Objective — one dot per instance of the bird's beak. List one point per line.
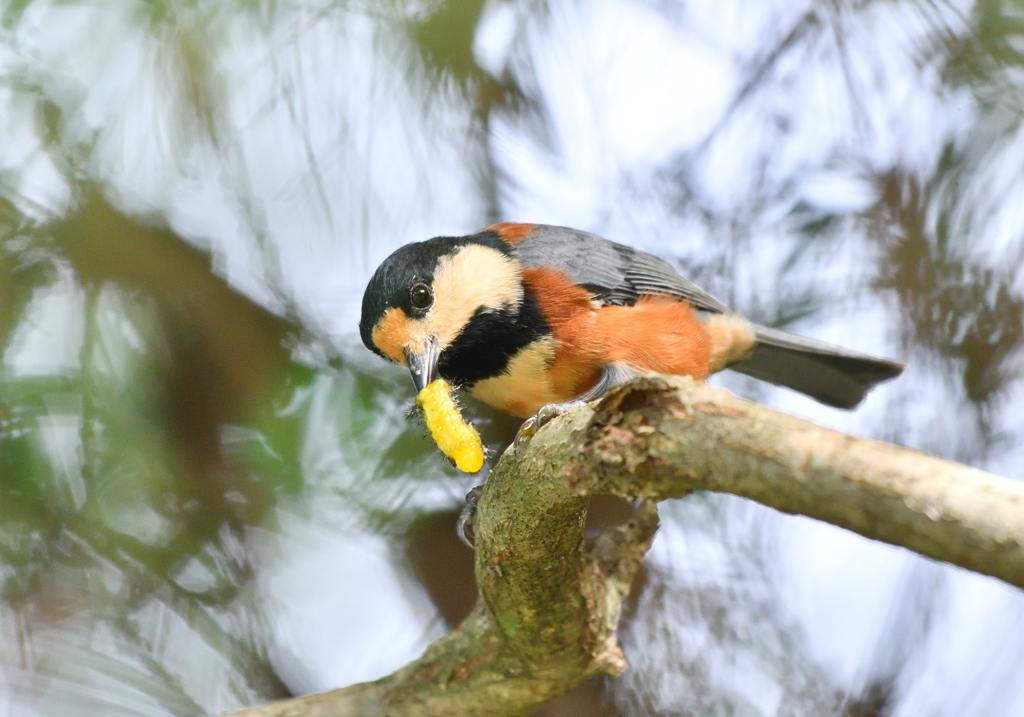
(423, 365)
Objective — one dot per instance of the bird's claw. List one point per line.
(464, 528)
(534, 423)
(527, 430)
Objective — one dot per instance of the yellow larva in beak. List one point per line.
(457, 439)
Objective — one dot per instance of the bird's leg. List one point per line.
(613, 374)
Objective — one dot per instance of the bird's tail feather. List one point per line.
(826, 373)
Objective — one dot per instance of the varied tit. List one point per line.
(527, 316)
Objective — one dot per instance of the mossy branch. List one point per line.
(550, 600)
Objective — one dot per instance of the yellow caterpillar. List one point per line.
(457, 439)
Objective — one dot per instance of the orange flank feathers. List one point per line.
(658, 334)
(572, 316)
(511, 233)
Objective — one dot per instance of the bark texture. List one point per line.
(550, 600)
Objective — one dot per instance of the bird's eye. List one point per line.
(421, 296)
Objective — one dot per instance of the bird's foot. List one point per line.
(464, 527)
(534, 423)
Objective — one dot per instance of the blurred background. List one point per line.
(210, 495)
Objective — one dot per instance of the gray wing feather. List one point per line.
(613, 273)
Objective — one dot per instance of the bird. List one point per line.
(532, 319)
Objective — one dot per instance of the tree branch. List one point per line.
(549, 600)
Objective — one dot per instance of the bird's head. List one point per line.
(438, 306)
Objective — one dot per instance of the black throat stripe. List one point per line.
(489, 341)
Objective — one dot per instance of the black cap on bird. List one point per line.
(453, 307)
